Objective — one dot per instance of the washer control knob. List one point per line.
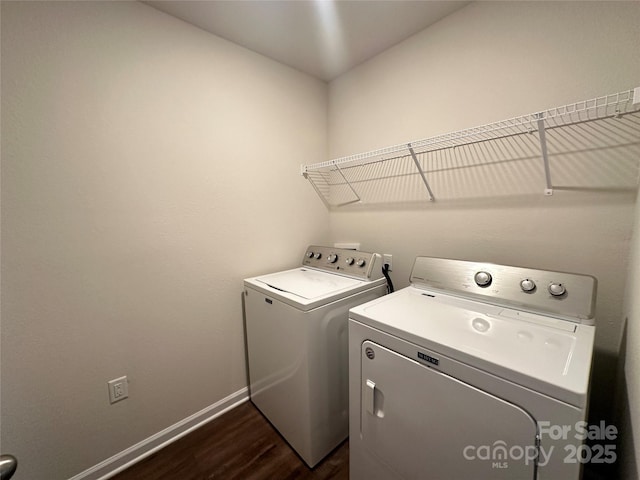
(317, 255)
(349, 261)
(361, 262)
(527, 285)
(483, 279)
(557, 289)
(332, 258)
(309, 254)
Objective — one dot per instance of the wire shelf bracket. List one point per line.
(420, 171)
(545, 155)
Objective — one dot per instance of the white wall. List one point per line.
(147, 168)
(489, 62)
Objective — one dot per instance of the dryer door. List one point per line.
(420, 423)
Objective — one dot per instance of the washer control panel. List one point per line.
(353, 263)
(566, 295)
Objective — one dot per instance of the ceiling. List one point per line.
(323, 38)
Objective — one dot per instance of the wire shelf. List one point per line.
(593, 142)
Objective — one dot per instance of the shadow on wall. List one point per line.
(246, 346)
(602, 409)
(610, 403)
(626, 466)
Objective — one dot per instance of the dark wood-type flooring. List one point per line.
(242, 445)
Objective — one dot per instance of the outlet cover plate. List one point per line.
(118, 389)
(347, 245)
(387, 259)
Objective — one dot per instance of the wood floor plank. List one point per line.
(239, 445)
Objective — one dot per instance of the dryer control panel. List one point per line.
(565, 295)
(353, 263)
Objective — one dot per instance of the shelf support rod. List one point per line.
(545, 155)
(350, 186)
(315, 187)
(420, 171)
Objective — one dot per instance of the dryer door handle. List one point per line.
(370, 397)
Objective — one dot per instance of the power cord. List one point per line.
(385, 272)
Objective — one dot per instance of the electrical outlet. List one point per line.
(348, 245)
(118, 389)
(387, 259)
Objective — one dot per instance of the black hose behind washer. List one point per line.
(385, 272)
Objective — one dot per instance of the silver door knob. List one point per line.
(8, 466)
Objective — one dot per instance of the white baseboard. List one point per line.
(120, 461)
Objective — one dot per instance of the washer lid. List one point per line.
(306, 288)
(308, 284)
(543, 353)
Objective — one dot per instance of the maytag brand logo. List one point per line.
(428, 358)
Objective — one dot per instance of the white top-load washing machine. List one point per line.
(475, 371)
(296, 324)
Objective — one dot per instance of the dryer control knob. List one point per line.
(309, 254)
(483, 279)
(527, 285)
(349, 261)
(557, 289)
(333, 258)
(361, 262)
(317, 255)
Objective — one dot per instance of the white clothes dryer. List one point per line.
(296, 325)
(475, 371)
